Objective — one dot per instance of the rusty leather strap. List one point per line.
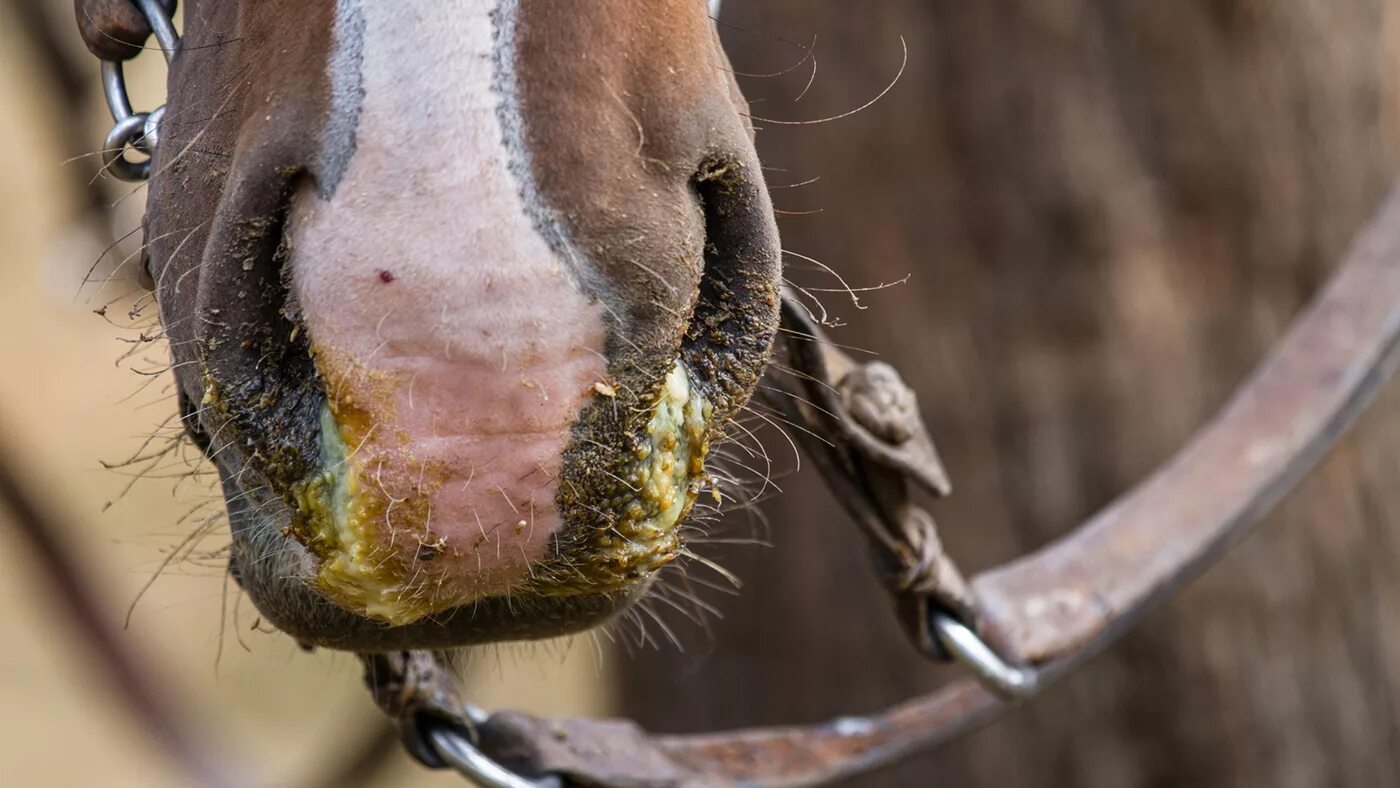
(1064, 603)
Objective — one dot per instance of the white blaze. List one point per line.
(436, 307)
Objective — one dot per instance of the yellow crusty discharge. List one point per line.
(659, 489)
(338, 519)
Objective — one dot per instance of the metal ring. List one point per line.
(114, 89)
(150, 130)
(139, 130)
(1007, 681)
(457, 751)
(128, 133)
(162, 26)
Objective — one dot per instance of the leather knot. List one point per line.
(881, 401)
(409, 686)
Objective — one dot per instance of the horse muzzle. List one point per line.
(461, 369)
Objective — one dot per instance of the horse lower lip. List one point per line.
(408, 517)
(388, 557)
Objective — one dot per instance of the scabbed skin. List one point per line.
(456, 309)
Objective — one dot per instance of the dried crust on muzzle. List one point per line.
(616, 163)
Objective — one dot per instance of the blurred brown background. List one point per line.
(1109, 209)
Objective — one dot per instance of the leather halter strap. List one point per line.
(1060, 605)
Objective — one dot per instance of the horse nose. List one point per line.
(505, 334)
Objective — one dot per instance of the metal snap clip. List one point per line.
(1007, 681)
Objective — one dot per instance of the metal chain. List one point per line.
(139, 131)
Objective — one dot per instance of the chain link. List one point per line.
(138, 131)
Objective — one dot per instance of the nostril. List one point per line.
(730, 335)
(258, 386)
(633, 472)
